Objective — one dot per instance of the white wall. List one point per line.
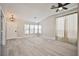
(15, 28)
(20, 28)
(11, 29)
(48, 27)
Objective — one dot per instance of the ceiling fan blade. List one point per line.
(57, 10)
(65, 8)
(66, 4)
(60, 5)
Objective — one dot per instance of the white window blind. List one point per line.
(71, 21)
(67, 26)
(60, 27)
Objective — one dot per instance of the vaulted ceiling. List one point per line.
(32, 12)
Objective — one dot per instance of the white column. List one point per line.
(0, 32)
(78, 30)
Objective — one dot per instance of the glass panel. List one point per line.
(40, 29)
(31, 29)
(36, 28)
(26, 28)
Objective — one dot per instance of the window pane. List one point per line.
(31, 29)
(36, 28)
(26, 28)
(40, 31)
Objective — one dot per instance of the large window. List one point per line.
(32, 29)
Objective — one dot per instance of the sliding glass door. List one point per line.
(66, 28)
(71, 27)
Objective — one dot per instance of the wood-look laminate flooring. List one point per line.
(35, 46)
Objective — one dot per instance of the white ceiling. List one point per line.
(30, 11)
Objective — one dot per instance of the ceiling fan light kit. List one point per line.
(60, 8)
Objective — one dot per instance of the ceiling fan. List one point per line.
(60, 6)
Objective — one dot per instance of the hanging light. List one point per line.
(12, 18)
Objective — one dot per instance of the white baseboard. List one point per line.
(14, 38)
(45, 37)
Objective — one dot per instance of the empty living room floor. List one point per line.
(36, 46)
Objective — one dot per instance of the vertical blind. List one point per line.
(60, 27)
(68, 23)
(71, 25)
